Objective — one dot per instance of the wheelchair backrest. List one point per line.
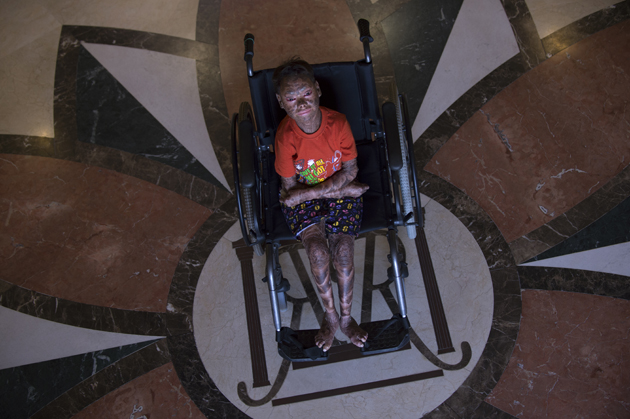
(348, 88)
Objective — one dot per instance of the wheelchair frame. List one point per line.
(255, 180)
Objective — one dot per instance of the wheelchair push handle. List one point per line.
(249, 53)
(364, 30)
(364, 36)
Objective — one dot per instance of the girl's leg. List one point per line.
(316, 245)
(342, 249)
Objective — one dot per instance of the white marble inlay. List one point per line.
(27, 339)
(481, 40)
(466, 289)
(551, 15)
(613, 259)
(166, 85)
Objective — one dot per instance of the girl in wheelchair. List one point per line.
(316, 158)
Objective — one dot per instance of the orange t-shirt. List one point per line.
(314, 157)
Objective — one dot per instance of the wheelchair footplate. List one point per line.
(383, 336)
(299, 345)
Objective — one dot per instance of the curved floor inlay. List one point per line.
(574, 280)
(117, 237)
(465, 286)
(27, 389)
(110, 379)
(106, 319)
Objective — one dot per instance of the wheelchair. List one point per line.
(386, 164)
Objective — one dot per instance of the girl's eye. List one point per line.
(307, 93)
(290, 99)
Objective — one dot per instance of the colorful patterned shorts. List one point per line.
(343, 216)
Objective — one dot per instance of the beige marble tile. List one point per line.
(167, 17)
(22, 22)
(466, 289)
(27, 78)
(551, 15)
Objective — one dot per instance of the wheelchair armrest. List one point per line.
(390, 122)
(246, 144)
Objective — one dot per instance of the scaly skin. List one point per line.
(342, 249)
(299, 97)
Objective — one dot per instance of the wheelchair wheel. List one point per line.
(405, 187)
(250, 195)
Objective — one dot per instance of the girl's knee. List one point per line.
(318, 254)
(343, 256)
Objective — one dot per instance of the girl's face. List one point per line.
(299, 97)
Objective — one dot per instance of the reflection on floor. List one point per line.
(121, 289)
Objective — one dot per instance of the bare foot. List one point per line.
(324, 338)
(350, 328)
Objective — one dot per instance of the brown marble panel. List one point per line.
(570, 358)
(550, 139)
(89, 234)
(156, 395)
(322, 31)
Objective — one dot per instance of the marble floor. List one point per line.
(122, 273)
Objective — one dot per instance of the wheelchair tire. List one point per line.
(249, 214)
(405, 188)
(250, 194)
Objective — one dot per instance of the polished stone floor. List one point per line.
(123, 286)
